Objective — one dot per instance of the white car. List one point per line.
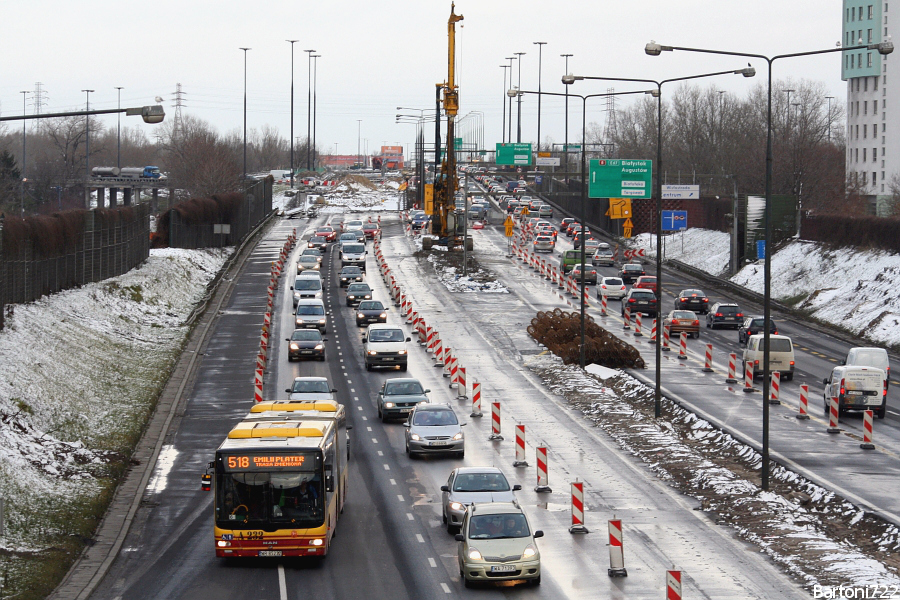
(611, 287)
(497, 543)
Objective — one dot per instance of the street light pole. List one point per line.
(509, 126)
(315, 66)
(119, 130)
(358, 155)
(503, 119)
(24, 155)
(829, 98)
(540, 46)
(519, 102)
(308, 105)
(243, 181)
(566, 134)
(292, 42)
(87, 149)
(654, 49)
(569, 79)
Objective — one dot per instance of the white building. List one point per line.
(872, 158)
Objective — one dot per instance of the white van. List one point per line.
(781, 355)
(354, 254)
(306, 288)
(856, 388)
(385, 346)
(310, 314)
(870, 357)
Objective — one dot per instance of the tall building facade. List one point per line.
(873, 156)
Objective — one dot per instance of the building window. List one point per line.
(856, 155)
(874, 154)
(874, 179)
(857, 108)
(875, 82)
(859, 54)
(857, 131)
(869, 11)
(865, 84)
(869, 59)
(865, 135)
(853, 14)
(865, 178)
(864, 154)
(874, 107)
(852, 61)
(869, 35)
(865, 107)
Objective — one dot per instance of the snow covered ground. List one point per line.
(853, 289)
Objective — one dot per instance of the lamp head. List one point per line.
(885, 47)
(570, 79)
(747, 72)
(654, 49)
(512, 93)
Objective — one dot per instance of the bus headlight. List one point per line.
(223, 544)
(316, 542)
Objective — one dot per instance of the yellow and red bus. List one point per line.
(281, 482)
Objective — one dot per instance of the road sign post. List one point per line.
(620, 178)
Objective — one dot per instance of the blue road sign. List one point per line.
(538, 180)
(760, 249)
(674, 220)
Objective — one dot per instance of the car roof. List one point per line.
(495, 508)
(383, 326)
(478, 470)
(434, 407)
(310, 302)
(310, 379)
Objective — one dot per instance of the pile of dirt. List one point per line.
(560, 332)
(357, 181)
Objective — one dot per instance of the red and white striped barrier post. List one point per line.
(665, 341)
(424, 329)
(732, 368)
(260, 361)
(476, 399)
(257, 392)
(411, 315)
(438, 353)
(834, 413)
(257, 377)
(748, 376)
(682, 346)
(673, 585)
(432, 341)
(454, 368)
(542, 480)
(804, 403)
(587, 295)
(495, 423)
(462, 388)
(707, 364)
(775, 386)
(616, 550)
(603, 305)
(637, 325)
(653, 327)
(562, 280)
(448, 356)
(626, 322)
(868, 422)
(520, 447)
(578, 508)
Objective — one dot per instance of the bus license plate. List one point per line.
(270, 552)
(503, 568)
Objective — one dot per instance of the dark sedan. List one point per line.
(350, 274)
(692, 299)
(306, 343)
(357, 292)
(638, 300)
(752, 326)
(630, 272)
(370, 311)
(319, 242)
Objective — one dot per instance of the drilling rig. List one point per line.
(444, 218)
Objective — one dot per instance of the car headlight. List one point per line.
(360, 316)
(402, 352)
(320, 346)
(389, 405)
(530, 550)
(372, 353)
(456, 506)
(343, 279)
(296, 294)
(424, 402)
(382, 316)
(415, 437)
(294, 346)
(321, 321)
(458, 436)
(474, 554)
(299, 322)
(368, 296)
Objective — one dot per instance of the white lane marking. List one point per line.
(420, 539)
(368, 429)
(359, 407)
(282, 585)
(345, 368)
(432, 562)
(342, 360)
(387, 467)
(410, 516)
(894, 413)
(374, 441)
(356, 398)
(365, 418)
(380, 453)
(446, 588)
(393, 482)
(352, 391)
(399, 497)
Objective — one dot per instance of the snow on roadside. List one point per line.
(81, 372)
(850, 288)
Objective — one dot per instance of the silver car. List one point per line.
(310, 389)
(473, 484)
(434, 429)
(543, 243)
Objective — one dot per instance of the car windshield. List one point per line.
(435, 418)
(356, 288)
(311, 252)
(498, 527)
(480, 482)
(403, 388)
(354, 248)
(632, 268)
(643, 295)
(306, 335)
(613, 281)
(348, 236)
(324, 230)
(683, 314)
(310, 387)
(386, 335)
(371, 305)
(310, 309)
(308, 259)
(308, 284)
(351, 271)
(728, 310)
(757, 323)
(370, 226)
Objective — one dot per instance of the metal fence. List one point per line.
(109, 243)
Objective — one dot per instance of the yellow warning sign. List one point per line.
(429, 198)
(626, 228)
(619, 208)
(509, 224)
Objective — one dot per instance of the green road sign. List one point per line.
(572, 148)
(513, 154)
(620, 178)
(458, 143)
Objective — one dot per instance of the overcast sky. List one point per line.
(376, 56)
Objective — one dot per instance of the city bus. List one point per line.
(280, 483)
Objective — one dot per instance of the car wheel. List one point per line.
(881, 412)
(536, 581)
(696, 335)
(368, 367)
(290, 358)
(444, 516)
(451, 528)
(407, 450)
(402, 367)
(461, 455)
(466, 581)
(788, 376)
(380, 414)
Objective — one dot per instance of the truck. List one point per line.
(148, 172)
(856, 388)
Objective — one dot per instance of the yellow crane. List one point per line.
(443, 223)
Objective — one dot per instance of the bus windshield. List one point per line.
(269, 500)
